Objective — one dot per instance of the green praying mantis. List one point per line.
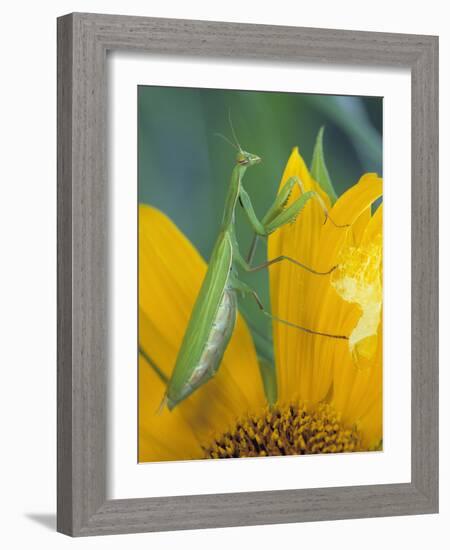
(214, 314)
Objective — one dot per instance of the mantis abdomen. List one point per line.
(218, 338)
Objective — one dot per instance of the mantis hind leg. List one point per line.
(251, 254)
(245, 289)
(246, 264)
(278, 259)
(294, 325)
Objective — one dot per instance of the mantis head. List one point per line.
(243, 158)
(247, 159)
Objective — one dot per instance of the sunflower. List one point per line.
(329, 390)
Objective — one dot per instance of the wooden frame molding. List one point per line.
(83, 41)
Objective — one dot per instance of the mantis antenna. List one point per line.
(232, 130)
(227, 140)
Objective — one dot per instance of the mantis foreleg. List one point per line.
(282, 216)
(275, 209)
(289, 214)
(278, 214)
(280, 201)
(321, 202)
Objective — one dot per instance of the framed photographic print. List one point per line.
(247, 274)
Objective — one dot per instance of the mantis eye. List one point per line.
(241, 159)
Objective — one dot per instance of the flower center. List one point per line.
(287, 430)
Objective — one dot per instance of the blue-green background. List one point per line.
(184, 168)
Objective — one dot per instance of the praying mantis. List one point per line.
(214, 313)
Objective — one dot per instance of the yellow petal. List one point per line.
(358, 280)
(170, 274)
(170, 437)
(355, 200)
(371, 426)
(288, 285)
(358, 394)
(305, 362)
(359, 226)
(358, 384)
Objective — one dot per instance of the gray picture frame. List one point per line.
(83, 42)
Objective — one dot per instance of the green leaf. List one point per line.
(264, 351)
(154, 366)
(269, 377)
(319, 169)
